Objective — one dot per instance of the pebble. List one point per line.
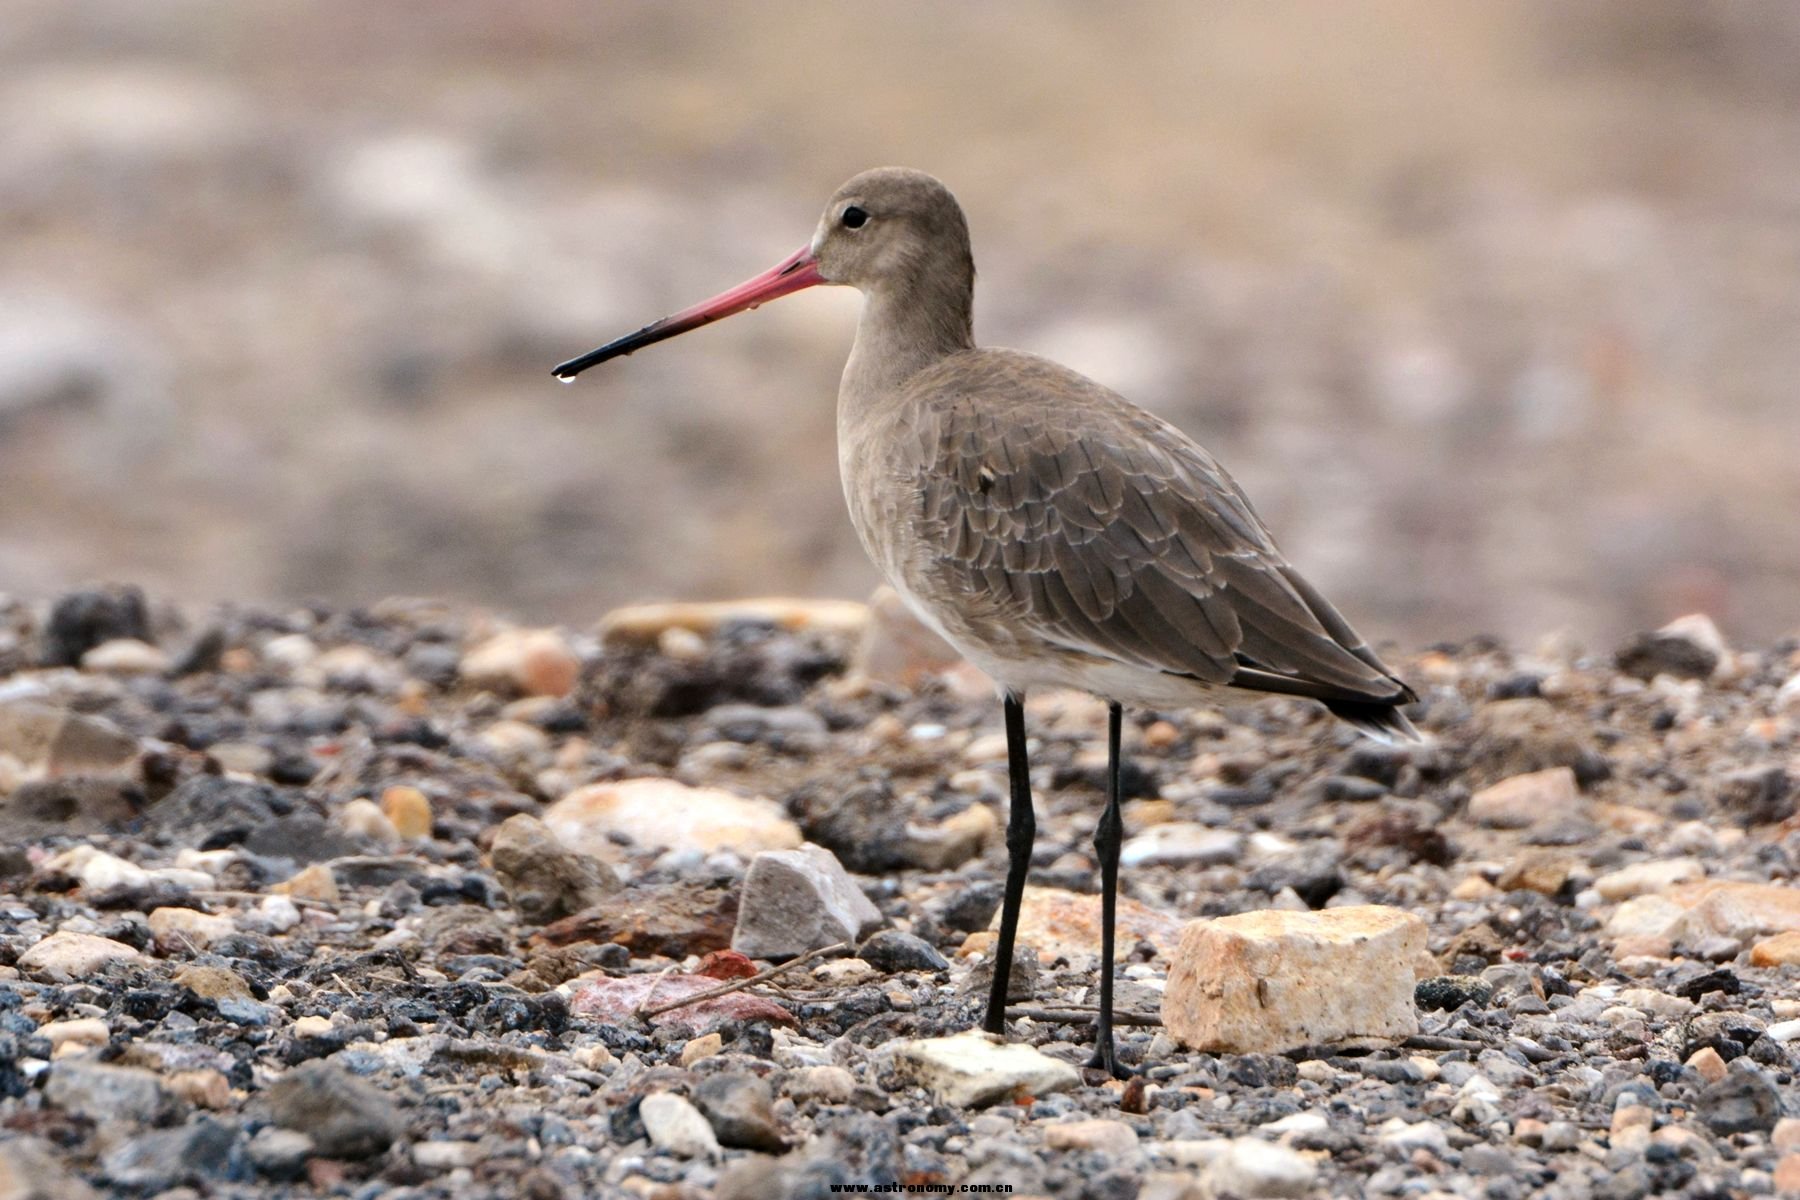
(447, 1155)
(544, 879)
(971, 1070)
(678, 1127)
(1271, 981)
(346, 1117)
(826, 1084)
(1182, 844)
(409, 811)
(1745, 1101)
(741, 1110)
(29, 1170)
(1115, 1139)
(76, 1033)
(310, 883)
(179, 930)
(1707, 1063)
(1523, 800)
(644, 623)
(103, 1092)
(1648, 878)
(125, 656)
(799, 900)
(1064, 924)
(1251, 1168)
(1782, 950)
(891, 950)
(529, 662)
(66, 957)
(280, 1153)
(660, 814)
(1689, 647)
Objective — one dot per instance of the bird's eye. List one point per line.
(855, 218)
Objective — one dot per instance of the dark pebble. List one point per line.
(891, 950)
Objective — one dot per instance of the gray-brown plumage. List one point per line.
(1054, 533)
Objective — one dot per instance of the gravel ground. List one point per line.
(402, 902)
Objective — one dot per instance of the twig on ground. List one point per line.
(735, 985)
(1078, 1016)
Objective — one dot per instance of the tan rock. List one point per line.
(205, 1088)
(1740, 909)
(1542, 871)
(1113, 1138)
(1707, 1062)
(78, 1031)
(409, 810)
(1059, 924)
(363, 818)
(1645, 916)
(660, 813)
(48, 743)
(66, 957)
(313, 883)
(1626, 818)
(1786, 1134)
(1782, 950)
(531, 662)
(125, 656)
(953, 841)
(1524, 800)
(177, 929)
(971, 1070)
(643, 624)
(212, 983)
(1647, 878)
(897, 647)
(1787, 1175)
(1271, 981)
(701, 1047)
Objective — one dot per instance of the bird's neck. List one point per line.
(907, 326)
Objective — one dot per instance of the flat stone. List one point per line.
(662, 814)
(203, 1149)
(891, 950)
(529, 662)
(409, 810)
(1251, 1168)
(971, 1070)
(740, 1109)
(31, 1170)
(49, 743)
(1708, 1064)
(103, 1092)
(1182, 844)
(1689, 647)
(1523, 800)
(1064, 924)
(825, 1084)
(676, 1126)
(1113, 1138)
(799, 900)
(125, 656)
(1648, 878)
(644, 624)
(1270, 981)
(280, 1153)
(66, 957)
(546, 880)
(346, 1117)
(178, 929)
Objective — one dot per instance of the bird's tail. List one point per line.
(1383, 722)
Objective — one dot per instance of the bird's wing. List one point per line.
(1103, 529)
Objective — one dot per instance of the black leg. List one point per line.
(1107, 836)
(1021, 829)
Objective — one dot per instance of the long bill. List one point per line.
(799, 270)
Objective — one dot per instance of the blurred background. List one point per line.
(1494, 309)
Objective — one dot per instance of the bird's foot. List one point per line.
(1106, 1058)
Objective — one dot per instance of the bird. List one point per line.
(1054, 533)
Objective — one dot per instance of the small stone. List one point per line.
(891, 951)
(409, 810)
(1271, 981)
(30, 1170)
(1115, 1139)
(740, 1109)
(530, 662)
(844, 972)
(1561, 1135)
(951, 842)
(49, 743)
(1689, 647)
(1183, 844)
(970, 1070)
(76, 1033)
(660, 814)
(1787, 1175)
(701, 1047)
(1647, 878)
(799, 900)
(184, 930)
(311, 883)
(1745, 1101)
(200, 1150)
(280, 1153)
(79, 621)
(125, 656)
(1645, 916)
(312, 1026)
(1064, 924)
(447, 1155)
(346, 1117)
(1524, 800)
(1786, 1134)
(1630, 1116)
(212, 983)
(643, 624)
(1782, 950)
(1474, 887)
(825, 1084)
(67, 957)
(1544, 871)
(362, 818)
(203, 1089)
(102, 1092)
(544, 879)
(1252, 1168)
(676, 1126)
(897, 647)
(1447, 993)
(1708, 1064)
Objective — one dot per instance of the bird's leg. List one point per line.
(1107, 836)
(1021, 829)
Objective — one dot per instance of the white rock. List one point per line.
(1644, 916)
(66, 957)
(125, 656)
(971, 1070)
(1183, 844)
(1399, 1135)
(1648, 878)
(1251, 1168)
(447, 1156)
(1269, 981)
(531, 662)
(186, 927)
(799, 900)
(1783, 1031)
(662, 814)
(677, 1126)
